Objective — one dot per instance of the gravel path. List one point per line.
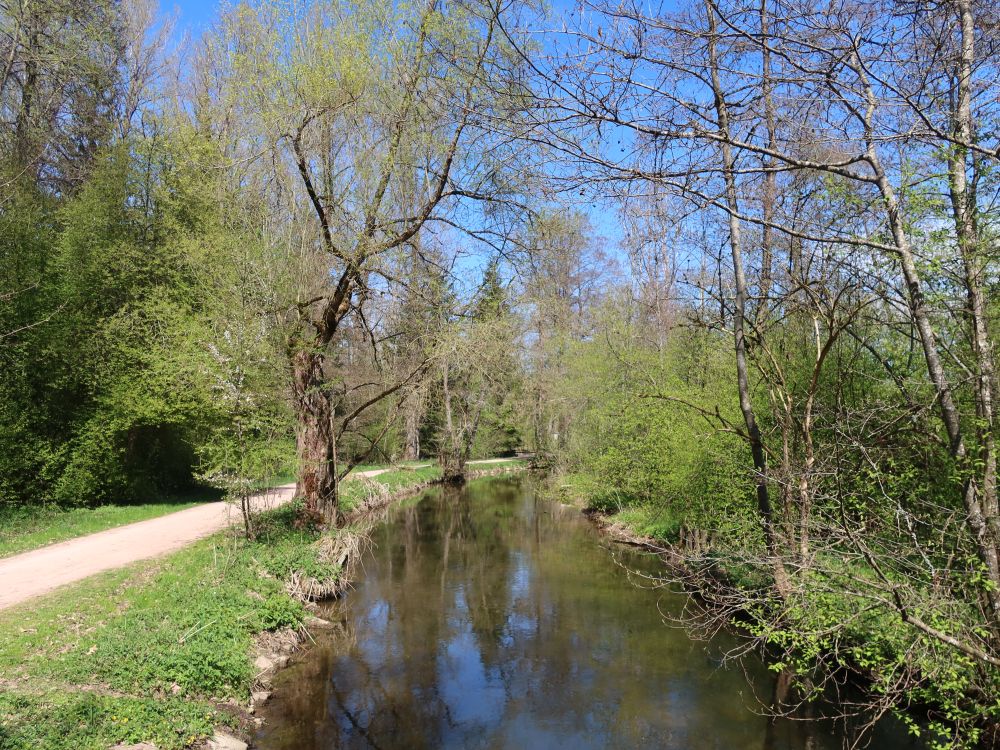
(39, 571)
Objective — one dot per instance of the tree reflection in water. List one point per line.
(488, 619)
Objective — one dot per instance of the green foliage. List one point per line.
(110, 411)
(91, 721)
(113, 382)
(652, 521)
(653, 443)
(476, 390)
(656, 453)
(499, 432)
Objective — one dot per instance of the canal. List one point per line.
(488, 618)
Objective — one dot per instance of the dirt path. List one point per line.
(39, 571)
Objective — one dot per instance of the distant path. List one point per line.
(40, 571)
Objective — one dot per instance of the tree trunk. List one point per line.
(411, 427)
(453, 456)
(781, 582)
(970, 248)
(453, 466)
(317, 480)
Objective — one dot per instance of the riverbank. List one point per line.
(164, 651)
(868, 656)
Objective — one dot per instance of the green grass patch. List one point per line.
(482, 465)
(579, 489)
(139, 654)
(577, 486)
(354, 492)
(90, 721)
(651, 521)
(641, 517)
(30, 527)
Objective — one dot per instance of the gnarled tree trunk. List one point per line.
(317, 480)
(453, 455)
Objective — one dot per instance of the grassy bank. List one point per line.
(871, 649)
(152, 652)
(588, 492)
(357, 492)
(162, 651)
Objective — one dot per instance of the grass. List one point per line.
(651, 521)
(150, 653)
(479, 464)
(147, 653)
(90, 720)
(27, 528)
(353, 493)
(399, 465)
(642, 518)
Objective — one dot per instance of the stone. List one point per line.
(263, 663)
(280, 662)
(260, 697)
(222, 741)
(318, 623)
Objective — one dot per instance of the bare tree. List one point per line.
(819, 140)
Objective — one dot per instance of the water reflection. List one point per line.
(487, 619)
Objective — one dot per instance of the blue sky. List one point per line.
(193, 17)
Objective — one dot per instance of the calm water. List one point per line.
(488, 619)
